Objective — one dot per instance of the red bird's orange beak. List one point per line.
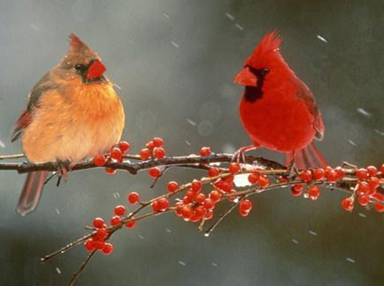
(95, 70)
(245, 78)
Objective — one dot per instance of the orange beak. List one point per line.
(245, 78)
(95, 70)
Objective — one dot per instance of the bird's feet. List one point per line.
(63, 167)
(239, 155)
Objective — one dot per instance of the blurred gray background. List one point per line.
(175, 61)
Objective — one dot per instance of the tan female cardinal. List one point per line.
(73, 113)
(278, 110)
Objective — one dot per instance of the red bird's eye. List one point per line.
(95, 70)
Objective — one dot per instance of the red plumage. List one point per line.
(278, 110)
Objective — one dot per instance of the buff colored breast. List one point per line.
(74, 122)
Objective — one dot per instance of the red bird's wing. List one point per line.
(306, 95)
(26, 117)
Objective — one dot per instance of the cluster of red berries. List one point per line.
(116, 154)
(153, 149)
(366, 192)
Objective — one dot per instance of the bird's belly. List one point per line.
(73, 131)
(283, 125)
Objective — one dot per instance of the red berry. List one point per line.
(100, 234)
(159, 205)
(124, 146)
(164, 203)
(98, 222)
(253, 178)
(107, 249)
(150, 145)
(314, 192)
(200, 198)
(116, 154)
(133, 197)
(330, 174)
(318, 173)
(205, 151)
(196, 185)
(200, 211)
(115, 220)
(372, 170)
(89, 244)
(187, 212)
(157, 141)
(263, 181)
(213, 171)
(110, 171)
(306, 175)
(382, 168)
(379, 207)
(378, 197)
(215, 196)
(208, 215)
(362, 188)
(244, 213)
(234, 167)
(362, 173)
(119, 210)
(347, 204)
(145, 154)
(172, 186)
(363, 200)
(99, 245)
(373, 184)
(297, 190)
(245, 205)
(209, 203)
(159, 152)
(130, 223)
(154, 172)
(99, 160)
(339, 172)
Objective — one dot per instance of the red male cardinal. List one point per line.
(73, 113)
(277, 110)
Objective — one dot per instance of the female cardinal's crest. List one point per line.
(76, 45)
(267, 49)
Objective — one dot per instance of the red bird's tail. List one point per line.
(31, 193)
(309, 157)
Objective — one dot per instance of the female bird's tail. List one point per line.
(31, 193)
(309, 157)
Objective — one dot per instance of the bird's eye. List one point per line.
(80, 67)
(264, 71)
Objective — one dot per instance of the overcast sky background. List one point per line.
(175, 61)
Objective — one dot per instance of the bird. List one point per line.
(73, 113)
(278, 110)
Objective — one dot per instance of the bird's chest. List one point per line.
(277, 119)
(74, 124)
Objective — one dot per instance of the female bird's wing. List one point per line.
(25, 118)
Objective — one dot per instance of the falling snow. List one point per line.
(166, 15)
(140, 236)
(295, 241)
(362, 215)
(116, 195)
(58, 270)
(214, 264)
(57, 211)
(168, 230)
(238, 26)
(190, 121)
(2, 145)
(351, 142)
(187, 142)
(230, 16)
(182, 263)
(321, 38)
(313, 233)
(363, 112)
(381, 133)
(174, 44)
(350, 260)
